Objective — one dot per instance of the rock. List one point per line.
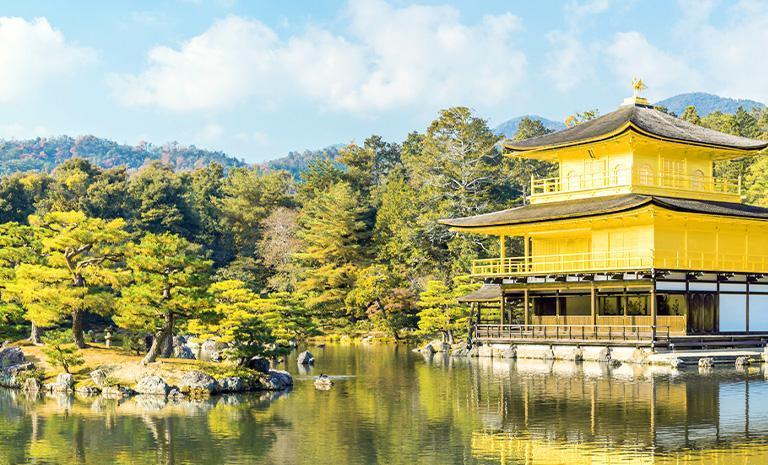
(88, 390)
(306, 358)
(10, 356)
(32, 385)
(117, 391)
(427, 350)
(184, 352)
(278, 380)
(100, 378)
(211, 350)
(259, 364)
(195, 348)
(613, 363)
(65, 382)
(706, 362)
(323, 383)
(676, 363)
(175, 394)
(179, 341)
(198, 382)
(742, 362)
(474, 352)
(154, 385)
(460, 350)
(231, 384)
(441, 346)
(509, 352)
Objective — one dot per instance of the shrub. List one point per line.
(60, 349)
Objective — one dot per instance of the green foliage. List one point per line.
(60, 350)
(691, 115)
(236, 319)
(582, 117)
(440, 312)
(530, 128)
(331, 234)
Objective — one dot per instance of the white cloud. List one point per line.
(210, 132)
(20, 131)
(631, 55)
(730, 51)
(390, 57)
(33, 53)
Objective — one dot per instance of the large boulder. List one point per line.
(154, 385)
(259, 364)
(32, 384)
(183, 351)
(211, 351)
(10, 356)
(100, 378)
(231, 384)
(306, 358)
(278, 380)
(198, 382)
(65, 382)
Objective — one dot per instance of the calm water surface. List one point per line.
(392, 406)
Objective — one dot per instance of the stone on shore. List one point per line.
(32, 385)
(706, 362)
(742, 362)
(183, 352)
(154, 385)
(198, 382)
(306, 358)
(65, 382)
(231, 384)
(259, 364)
(10, 356)
(100, 378)
(211, 351)
(278, 380)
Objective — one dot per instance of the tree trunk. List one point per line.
(167, 351)
(450, 336)
(158, 342)
(35, 334)
(77, 329)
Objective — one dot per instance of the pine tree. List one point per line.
(18, 245)
(59, 350)
(236, 319)
(691, 115)
(440, 310)
(169, 281)
(78, 272)
(331, 234)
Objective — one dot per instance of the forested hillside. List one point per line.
(44, 154)
(707, 103)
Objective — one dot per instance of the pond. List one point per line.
(393, 406)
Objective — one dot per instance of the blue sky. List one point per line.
(259, 78)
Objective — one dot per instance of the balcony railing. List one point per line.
(628, 177)
(631, 259)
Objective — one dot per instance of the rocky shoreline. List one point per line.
(16, 372)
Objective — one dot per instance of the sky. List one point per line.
(257, 79)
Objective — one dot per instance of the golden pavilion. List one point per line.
(635, 240)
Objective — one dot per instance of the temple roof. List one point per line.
(568, 209)
(642, 118)
(487, 293)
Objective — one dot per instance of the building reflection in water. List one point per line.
(571, 413)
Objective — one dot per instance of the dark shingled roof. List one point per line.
(646, 119)
(551, 211)
(487, 293)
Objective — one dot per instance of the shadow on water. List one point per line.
(389, 405)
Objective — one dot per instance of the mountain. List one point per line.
(509, 128)
(297, 162)
(44, 154)
(707, 103)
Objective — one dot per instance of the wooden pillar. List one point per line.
(593, 304)
(557, 306)
(501, 308)
(502, 246)
(526, 252)
(653, 302)
(526, 317)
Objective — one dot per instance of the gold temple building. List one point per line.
(635, 240)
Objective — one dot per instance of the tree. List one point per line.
(440, 312)
(331, 234)
(236, 320)
(287, 315)
(79, 268)
(278, 246)
(582, 117)
(169, 281)
(528, 128)
(390, 308)
(59, 350)
(18, 245)
(248, 198)
(691, 115)
(160, 202)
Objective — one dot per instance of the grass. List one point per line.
(124, 367)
